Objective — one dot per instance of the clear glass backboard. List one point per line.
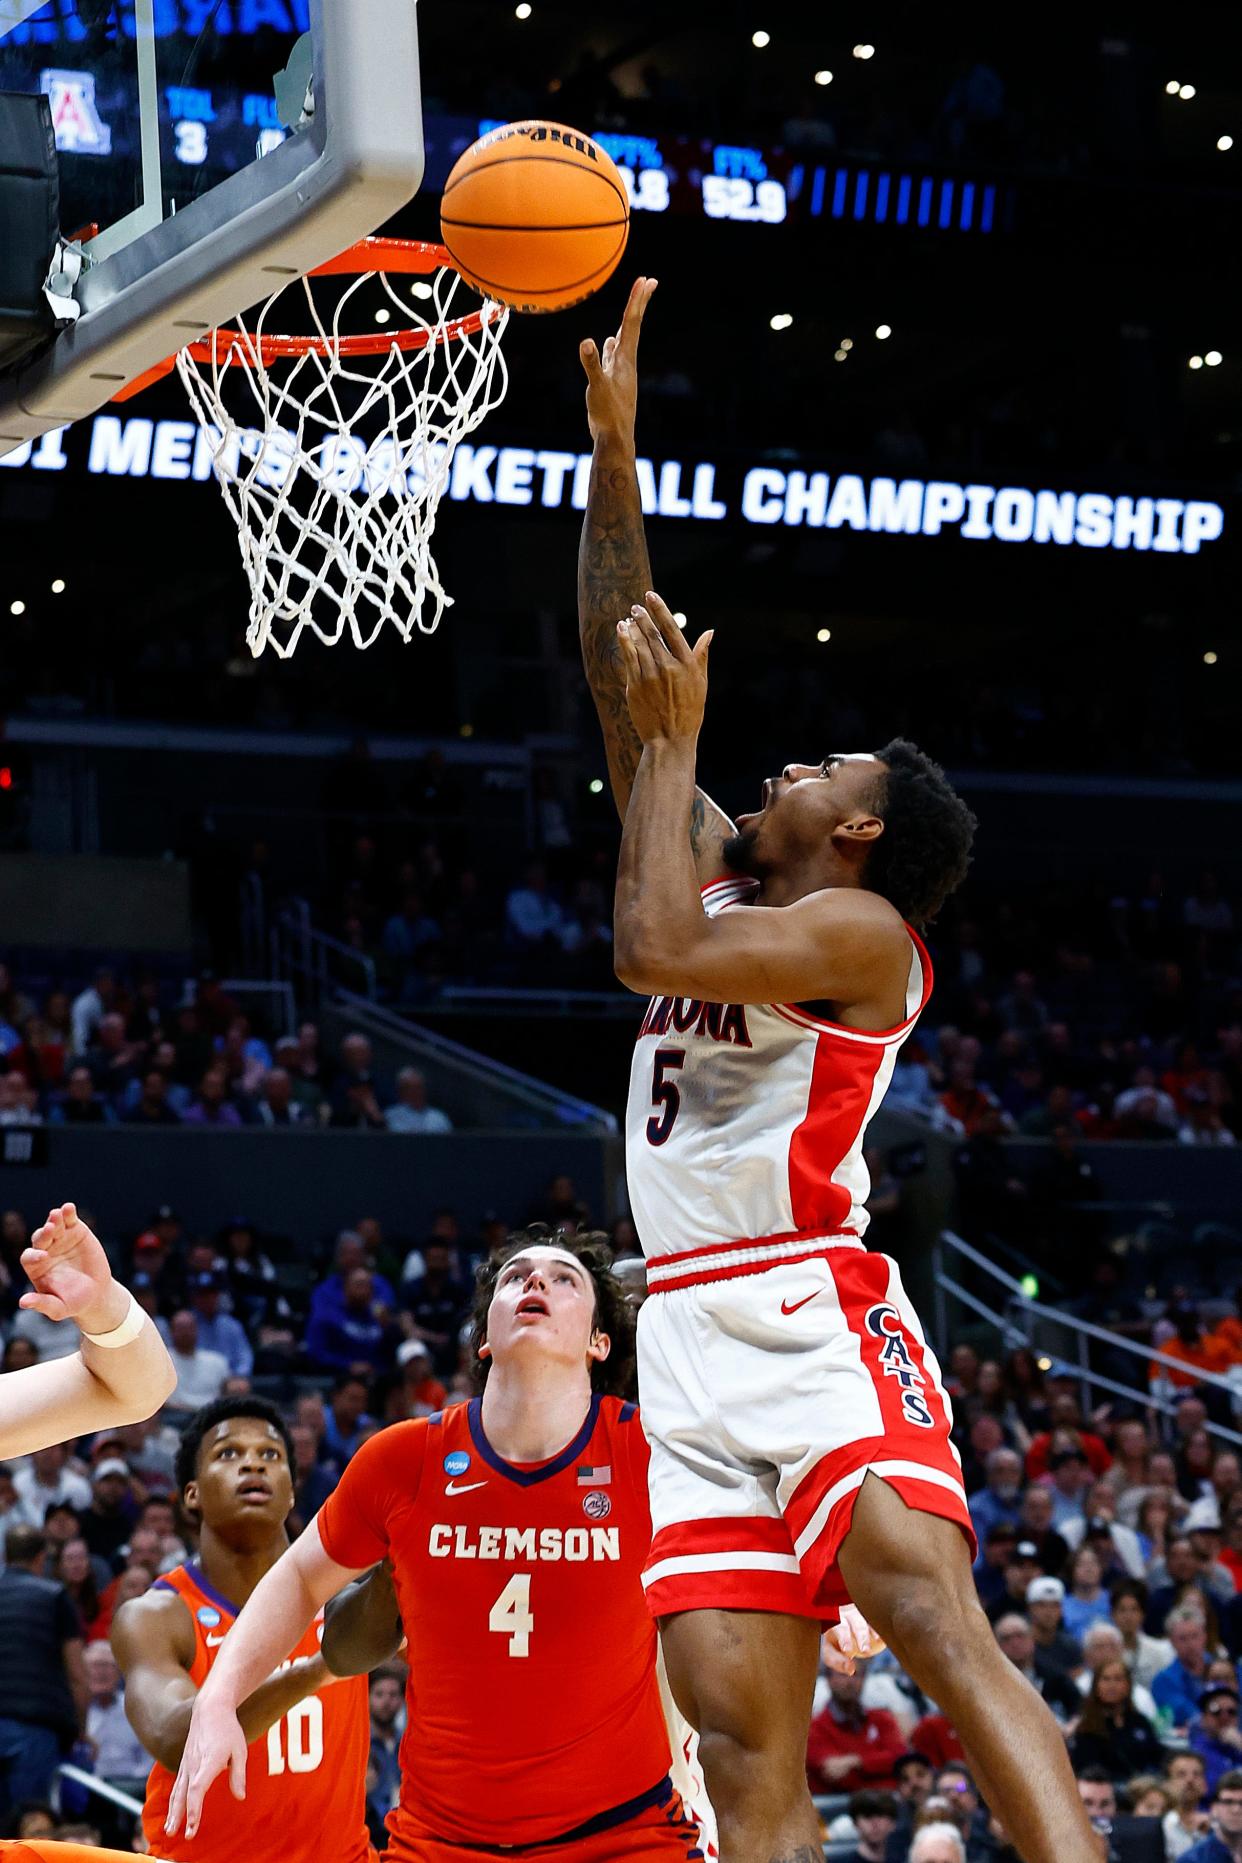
(207, 148)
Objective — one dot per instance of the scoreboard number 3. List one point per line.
(511, 1614)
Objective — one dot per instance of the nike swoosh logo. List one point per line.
(212, 1641)
(464, 1487)
(786, 1308)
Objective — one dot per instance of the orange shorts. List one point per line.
(659, 1834)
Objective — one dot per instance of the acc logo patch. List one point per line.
(206, 1615)
(457, 1463)
(596, 1505)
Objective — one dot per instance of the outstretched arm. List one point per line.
(274, 1620)
(154, 1648)
(101, 1387)
(614, 571)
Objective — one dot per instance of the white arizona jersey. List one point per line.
(746, 1122)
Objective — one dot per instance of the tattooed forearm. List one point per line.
(698, 822)
(614, 572)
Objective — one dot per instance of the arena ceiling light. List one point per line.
(1186, 92)
(823, 77)
(595, 786)
(381, 315)
(679, 618)
(17, 608)
(1213, 358)
(781, 321)
(884, 331)
(1224, 142)
(1196, 362)
(1172, 87)
(523, 11)
(864, 51)
(760, 39)
(841, 355)
(420, 289)
(824, 635)
(58, 587)
(847, 342)
(1209, 658)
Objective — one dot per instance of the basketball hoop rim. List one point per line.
(408, 257)
(228, 348)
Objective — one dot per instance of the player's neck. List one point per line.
(531, 1416)
(801, 878)
(235, 1572)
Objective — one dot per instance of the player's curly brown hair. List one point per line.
(924, 852)
(614, 1315)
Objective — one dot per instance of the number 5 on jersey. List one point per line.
(511, 1614)
(665, 1094)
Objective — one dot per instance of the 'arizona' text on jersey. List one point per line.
(746, 1122)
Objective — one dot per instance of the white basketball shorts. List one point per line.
(768, 1393)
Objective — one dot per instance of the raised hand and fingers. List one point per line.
(625, 342)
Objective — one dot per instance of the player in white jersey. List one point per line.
(801, 1453)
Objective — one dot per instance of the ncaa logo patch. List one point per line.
(207, 1616)
(457, 1463)
(596, 1505)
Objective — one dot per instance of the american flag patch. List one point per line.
(595, 1477)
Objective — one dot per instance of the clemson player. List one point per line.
(308, 1733)
(517, 1527)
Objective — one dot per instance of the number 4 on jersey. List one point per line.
(511, 1614)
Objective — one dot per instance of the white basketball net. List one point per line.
(334, 466)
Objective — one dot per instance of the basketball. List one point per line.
(535, 215)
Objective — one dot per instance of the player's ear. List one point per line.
(189, 1497)
(600, 1346)
(485, 1351)
(859, 830)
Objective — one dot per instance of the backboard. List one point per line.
(218, 146)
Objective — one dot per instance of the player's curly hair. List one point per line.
(924, 852)
(223, 1410)
(614, 1315)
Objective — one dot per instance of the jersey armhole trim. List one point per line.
(794, 1012)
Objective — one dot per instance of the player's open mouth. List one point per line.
(254, 1491)
(533, 1303)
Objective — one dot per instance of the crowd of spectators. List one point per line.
(1109, 1545)
(1103, 1015)
(143, 1055)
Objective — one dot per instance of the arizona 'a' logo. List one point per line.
(883, 1322)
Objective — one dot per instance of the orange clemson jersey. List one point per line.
(533, 1702)
(305, 1778)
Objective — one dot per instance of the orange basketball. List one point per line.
(535, 215)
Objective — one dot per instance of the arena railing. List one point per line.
(310, 958)
(102, 1788)
(504, 1096)
(1022, 1319)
